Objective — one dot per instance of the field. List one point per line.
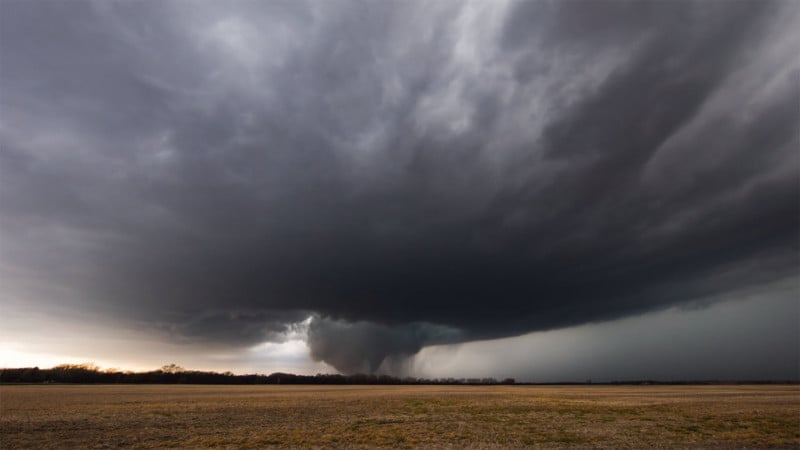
(105, 416)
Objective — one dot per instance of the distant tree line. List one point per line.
(173, 374)
(88, 373)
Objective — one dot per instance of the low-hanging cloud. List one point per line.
(365, 346)
(407, 173)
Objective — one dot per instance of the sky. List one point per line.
(545, 190)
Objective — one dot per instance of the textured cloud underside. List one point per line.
(408, 173)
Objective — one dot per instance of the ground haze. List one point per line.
(398, 416)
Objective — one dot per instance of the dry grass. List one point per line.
(399, 416)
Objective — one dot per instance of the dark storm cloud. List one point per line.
(407, 173)
(233, 327)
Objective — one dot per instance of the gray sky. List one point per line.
(337, 185)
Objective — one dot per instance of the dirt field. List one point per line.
(398, 416)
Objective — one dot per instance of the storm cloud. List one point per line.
(406, 173)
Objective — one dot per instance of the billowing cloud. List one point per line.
(407, 173)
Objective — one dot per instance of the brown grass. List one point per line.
(398, 416)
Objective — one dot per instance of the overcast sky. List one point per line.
(551, 190)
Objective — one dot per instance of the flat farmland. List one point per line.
(191, 416)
